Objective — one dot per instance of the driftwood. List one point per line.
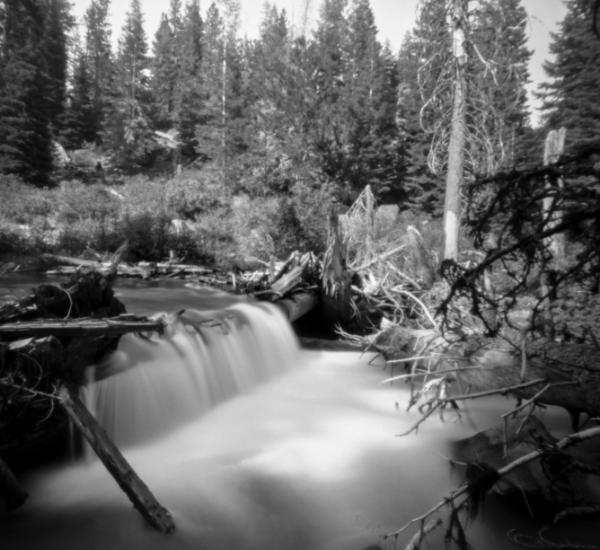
(137, 491)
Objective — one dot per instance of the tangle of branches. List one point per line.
(509, 207)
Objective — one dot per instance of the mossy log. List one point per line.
(135, 489)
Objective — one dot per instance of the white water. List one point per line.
(205, 358)
(309, 460)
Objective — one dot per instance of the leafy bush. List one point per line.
(22, 203)
(196, 192)
(77, 201)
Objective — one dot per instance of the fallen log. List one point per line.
(137, 491)
(115, 326)
(298, 305)
(144, 270)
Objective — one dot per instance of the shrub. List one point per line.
(196, 192)
(22, 203)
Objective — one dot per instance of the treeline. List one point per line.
(336, 106)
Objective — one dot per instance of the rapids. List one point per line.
(251, 444)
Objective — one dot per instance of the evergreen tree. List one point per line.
(496, 75)
(499, 105)
(78, 124)
(33, 66)
(127, 128)
(100, 61)
(571, 96)
(164, 74)
(424, 189)
(370, 97)
(188, 96)
(209, 130)
(219, 134)
(268, 92)
(329, 62)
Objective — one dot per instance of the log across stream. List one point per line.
(307, 459)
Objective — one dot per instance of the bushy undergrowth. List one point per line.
(195, 215)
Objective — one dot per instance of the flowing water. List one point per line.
(250, 443)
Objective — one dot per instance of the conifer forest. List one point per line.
(411, 204)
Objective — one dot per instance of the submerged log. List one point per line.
(137, 491)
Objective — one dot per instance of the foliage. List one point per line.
(33, 58)
(571, 95)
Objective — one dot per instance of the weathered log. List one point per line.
(137, 491)
(297, 305)
(11, 492)
(114, 326)
(141, 269)
(336, 279)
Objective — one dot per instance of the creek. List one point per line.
(250, 442)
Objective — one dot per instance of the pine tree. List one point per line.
(571, 96)
(269, 89)
(329, 63)
(33, 62)
(164, 74)
(78, 123)
(370, 97)
(209, 130)
(127, 129)
(219, 134)
(188, 96)
(100, 61)
(499, 105)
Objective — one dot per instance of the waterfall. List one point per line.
(152, 385)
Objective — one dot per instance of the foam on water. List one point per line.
(307, 460)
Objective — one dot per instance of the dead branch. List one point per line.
(462, 491)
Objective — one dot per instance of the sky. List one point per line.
(394, 18)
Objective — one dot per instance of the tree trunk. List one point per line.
(457, 19)
(335, 284)
(115, 463)
(554, 147)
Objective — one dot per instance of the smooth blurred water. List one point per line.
(252, 444)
